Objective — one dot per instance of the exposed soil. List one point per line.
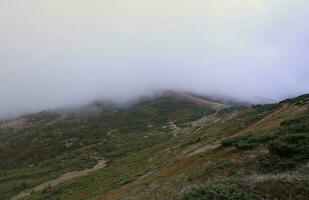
(65, 177)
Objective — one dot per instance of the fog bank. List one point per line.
(68, 52)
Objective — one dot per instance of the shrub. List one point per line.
(286, 151)
(298, 125)
(275, 163)
(248, 141)
(245, 145)
(219, 190)
(208, 169)
(220, 165)
(231, 141)
(291, 146)
(191, 176)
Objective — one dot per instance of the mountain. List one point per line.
(175, 145)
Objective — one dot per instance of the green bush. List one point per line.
(219, 190)
(245, 145)
(220, 165)
(298, 125)
(286, 151)
(192, 175)
(275, 163)
(288, 146)
(248, 141)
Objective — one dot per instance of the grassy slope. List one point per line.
(50, 144)
(148, 157)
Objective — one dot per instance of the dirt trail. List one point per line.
(201, 101)
(285, 176)
(200, 149)
(65, 177)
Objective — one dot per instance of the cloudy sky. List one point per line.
(62, 52)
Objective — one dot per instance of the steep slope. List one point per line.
(159, 148)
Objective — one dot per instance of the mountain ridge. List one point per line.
(158, 147)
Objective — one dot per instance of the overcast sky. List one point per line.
(64, 52)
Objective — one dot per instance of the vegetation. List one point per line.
(276, 163)
(213, 167)
(282, 189)
(290, 148)
(160, 149)
(301, 100)
(286, 151)
(219, 190)
(297, 125)
(248, 141)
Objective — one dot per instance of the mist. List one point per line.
(69, 52)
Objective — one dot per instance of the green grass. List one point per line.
(19, 179)
(136, 143)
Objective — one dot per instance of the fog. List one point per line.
(68, 52)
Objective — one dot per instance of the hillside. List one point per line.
(172, 146)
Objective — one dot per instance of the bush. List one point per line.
(288, 146)
(298, 125)
(220, 165)
(275, 163)
(219, 190)
(192, 175)
(286, 151)
(244, 145)
(248, 141)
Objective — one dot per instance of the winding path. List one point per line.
(101, 163)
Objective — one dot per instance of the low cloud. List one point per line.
(65, 52)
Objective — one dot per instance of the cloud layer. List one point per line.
(65, 52)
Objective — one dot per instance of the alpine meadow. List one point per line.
(154, 100)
